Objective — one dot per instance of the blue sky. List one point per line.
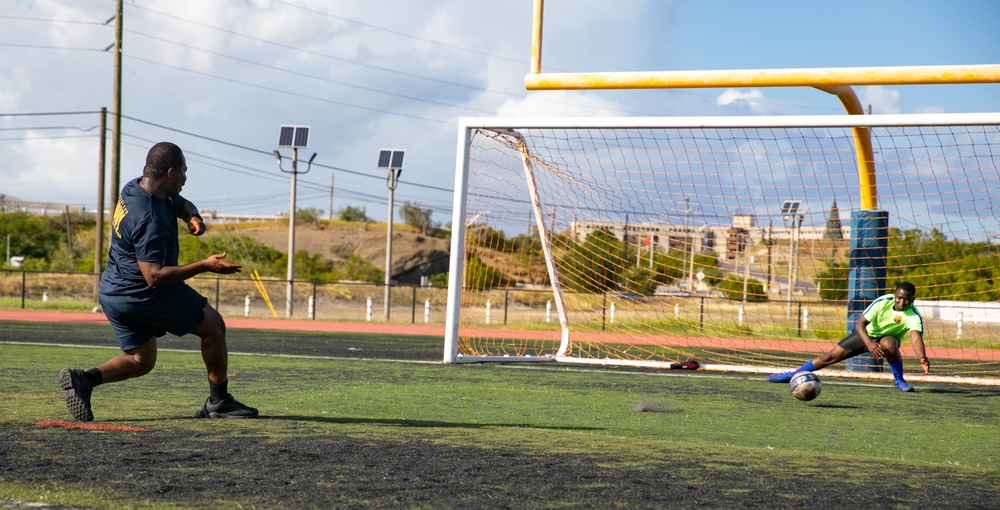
(220, 77)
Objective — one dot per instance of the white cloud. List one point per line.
(195, 109)
(558, 103)
(12, 81)
(882, 100)
(48, 169)
(752, 99)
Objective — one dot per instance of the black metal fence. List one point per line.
(243, 297)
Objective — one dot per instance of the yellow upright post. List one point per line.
(862, 147)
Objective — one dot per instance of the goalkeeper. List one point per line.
(878, 331)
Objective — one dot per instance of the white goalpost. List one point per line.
(649, 241)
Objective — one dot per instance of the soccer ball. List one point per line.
(805, 386)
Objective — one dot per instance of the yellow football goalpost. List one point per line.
(611, 208)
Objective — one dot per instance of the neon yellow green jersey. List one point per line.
(884, 321)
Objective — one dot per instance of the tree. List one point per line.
(481, 276)
(490, 238)
(36, 238)
(594, 266)
(239, 249)
(832, 282)
(308, 216)
(942, 268)
(359, 269)
(417, 217)
(314, 267)
(527, 243)
(639, 280)
(351, 213)
(834, 229)
(732, 286)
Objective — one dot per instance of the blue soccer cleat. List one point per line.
(785, 377)
(903, 386)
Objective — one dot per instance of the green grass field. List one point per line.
(378, 421)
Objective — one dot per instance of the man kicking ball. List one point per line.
(879, 331)
(143, 293)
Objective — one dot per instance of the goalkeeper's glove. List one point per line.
(925, 364)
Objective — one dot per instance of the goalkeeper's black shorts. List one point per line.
(855, 345)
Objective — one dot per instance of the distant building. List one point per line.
(14, 204)
(704, 239)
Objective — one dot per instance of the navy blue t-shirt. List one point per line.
(143, 228)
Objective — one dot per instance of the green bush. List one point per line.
(481, 276)
(594, 266)
(732, 287)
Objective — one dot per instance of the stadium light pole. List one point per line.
(770, 240)
(687, 213)
(392, 161)
(746, 264)
(789, 209)
(295, 138)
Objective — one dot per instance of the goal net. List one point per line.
(745, 243)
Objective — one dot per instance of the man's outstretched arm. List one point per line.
(157, 274)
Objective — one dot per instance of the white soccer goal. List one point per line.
(746, 243)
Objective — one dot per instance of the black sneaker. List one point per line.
(78, 390)
(228, 408)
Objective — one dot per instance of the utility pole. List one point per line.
(770, 225)
(99, 238)
(69, 235)
(329, 215)
(116, 119)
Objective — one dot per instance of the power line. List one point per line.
(519, 61)
(316, 53)
(304, 75)
(50, 20)
(477, 88)
(45, 114)
(46, 128)
(290, 93)
(249, 171)
(44, 47)
(55, 137)
(519, 95)
(270, 153)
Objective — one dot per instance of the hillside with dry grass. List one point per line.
(413, 254)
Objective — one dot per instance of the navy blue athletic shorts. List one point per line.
(179, 310)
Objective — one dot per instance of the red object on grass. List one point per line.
(89, 426)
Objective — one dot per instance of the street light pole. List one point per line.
(391, 184)
(392, 160)
(789, 210)
(290, 273)
(770, 224)
(295, 137)
(746, 266)
(687, 213)
(791, 267)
